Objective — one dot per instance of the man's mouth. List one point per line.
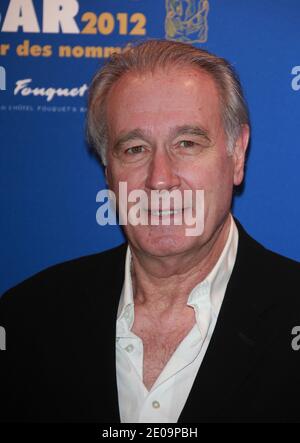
(164, 212)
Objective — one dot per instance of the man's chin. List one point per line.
(164, 244)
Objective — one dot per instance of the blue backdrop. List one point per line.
(49, 181)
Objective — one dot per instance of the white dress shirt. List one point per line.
(167, 397)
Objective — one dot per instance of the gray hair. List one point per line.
(151, 55)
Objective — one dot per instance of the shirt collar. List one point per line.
(126, 304)
(206, 297)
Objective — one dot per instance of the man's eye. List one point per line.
(187, 144)
(135, 150)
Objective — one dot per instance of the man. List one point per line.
(172, 327)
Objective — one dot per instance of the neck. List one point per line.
(166, 282)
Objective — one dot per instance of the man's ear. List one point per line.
(239, 154)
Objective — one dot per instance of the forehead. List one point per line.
(179, 95)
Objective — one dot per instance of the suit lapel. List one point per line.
(236, 343)
(103, 294)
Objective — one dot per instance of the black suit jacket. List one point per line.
(59, 365)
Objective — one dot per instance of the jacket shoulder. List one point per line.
(270, 260)
(71, 277)
(268, 270)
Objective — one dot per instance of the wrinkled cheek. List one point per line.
(218, 192)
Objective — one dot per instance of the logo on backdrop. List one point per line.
(186, 20)
(23, 88)
(63, 16)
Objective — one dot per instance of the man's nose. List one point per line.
(162, 173)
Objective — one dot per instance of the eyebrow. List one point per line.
(175, 132)
(190, 130)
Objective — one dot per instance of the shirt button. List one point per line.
(155, 404)
(129, 348)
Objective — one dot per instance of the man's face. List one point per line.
(165, 133)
